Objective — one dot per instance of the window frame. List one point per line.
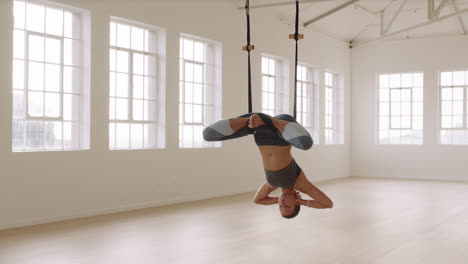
(212, 51)
(79, 112)
(311, 88)
(465, 107)
(280, 93)
(412, 101)
(156, 51)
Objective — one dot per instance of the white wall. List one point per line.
(428, 161)
(44, 187)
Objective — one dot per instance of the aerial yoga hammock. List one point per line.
(274, 137)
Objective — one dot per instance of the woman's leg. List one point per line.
(227, 129)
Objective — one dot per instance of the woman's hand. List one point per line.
(299, 200)
(255, 121)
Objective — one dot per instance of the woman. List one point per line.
(275, 136)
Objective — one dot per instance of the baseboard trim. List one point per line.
(120, 209)
(126, 208)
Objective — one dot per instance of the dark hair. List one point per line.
(294, 214)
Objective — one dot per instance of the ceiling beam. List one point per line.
(334, 10)
(395, 16)
(430, 9)
(367, 9)
(382, 29)
(435, 20)
(460, 21)
(440, 7)
(281, 4)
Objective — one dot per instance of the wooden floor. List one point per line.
(373, 221)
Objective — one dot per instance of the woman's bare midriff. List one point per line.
(275, 157)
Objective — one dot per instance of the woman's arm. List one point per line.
(291, 132)
(261, 197)
(320, 200)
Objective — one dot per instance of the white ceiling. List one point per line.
(360, 22)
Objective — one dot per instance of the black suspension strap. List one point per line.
(249, 48)
(296, 36)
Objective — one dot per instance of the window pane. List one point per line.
(447, 121)
(35, 18)
(138, 87)
(458, 108)
(198, 113)
(138, 38)
(18, 46)
(36, 48)
(198, 94)
(149, 111)
(122, 85)
(418, 108)
(113, 34)
(138, 63)
(19, 14)
(418, 80)
(458, 94)
(199, 52)
(53, 50)
(138, 110)
(446, 78)
(53, 135)
(189, 72)
(36, 104)
(34, 135)
(54, 23)
(36, 76)
(395, 81)
(72, 52)
(150, 65)
(458, 121)
(72, 25)
(123, 36)
(112, 109)
(52, 105)
(18, 104)
(137, 135)
(188, 49)
(198, 73)
(459, 78)
(188, 113)
(18, 74)
(150, 88)
(271, 67)
(122, 61)
(52, 78)
(264, 66)
(113, 59)
(446, 93)
(407, 80)
(123, 135)
(188, 92)
(149, 136)
(406, 108)
(384, 81)
(122, 109)
(71, 107)
(447, 108)
(71, 80)
(384, 95)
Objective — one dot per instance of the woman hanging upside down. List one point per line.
(274, 137)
